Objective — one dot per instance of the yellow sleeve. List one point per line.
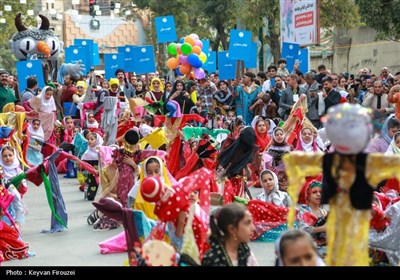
(381, 167)
(299, 165)
(193, 96)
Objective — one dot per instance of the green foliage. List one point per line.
(383, 16)
(8, 28)
(7, 58)
(339, 13)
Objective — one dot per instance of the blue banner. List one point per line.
(127, 52)
(112, 62)
(96, 56)
(89, 44)
(290, 52)
(252, 62)
(304, 60)
(29, 68)
(206, 46)
(211, 63)
(144, 59)
(240, 44)
(226, 66)
(75, 53)
(165, 28)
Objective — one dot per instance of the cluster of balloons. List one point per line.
(187, 56)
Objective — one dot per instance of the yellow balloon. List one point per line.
(203, 57)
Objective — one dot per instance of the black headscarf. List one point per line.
(241, 152)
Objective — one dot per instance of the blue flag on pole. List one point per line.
(206, 46)
(30, 68)
(290, 52)
(304, 59)
(127, 52)
(112, 62)
(89, 44)
(211, 63)
(75, 53)
(165, 28)
(240, 44)
(144, 59)
(252, 62)
(96, 56)
(226, 66)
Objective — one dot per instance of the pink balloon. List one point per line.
(198, 43)
(194, 36)
(178, 48)
(183, 59)
(199, 73)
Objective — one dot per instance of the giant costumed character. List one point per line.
(41, 43)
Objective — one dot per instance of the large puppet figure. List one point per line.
(41, 43)
(349, 179)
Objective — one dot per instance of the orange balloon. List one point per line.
(185, 68)
(172, 63)
(189, 40)
(196, 50)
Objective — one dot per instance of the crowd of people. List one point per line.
(182, 155)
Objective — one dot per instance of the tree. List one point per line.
(7, 58)
(383, 16)
(8, 29)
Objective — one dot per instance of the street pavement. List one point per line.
(78, 245)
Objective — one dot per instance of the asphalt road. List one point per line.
(78, 245)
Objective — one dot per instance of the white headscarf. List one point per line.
(393, 149)
(307, 147)
(10, 171)
(276, 196)
(37, 134)
(92, 153)
(47, 106)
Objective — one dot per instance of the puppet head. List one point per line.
(42, 41)
(348, 127)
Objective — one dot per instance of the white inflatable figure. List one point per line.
(41, 43)
(349, 179)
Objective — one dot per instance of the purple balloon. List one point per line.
(198, 43)
(199, 73)
(194, 36)
(183, 59)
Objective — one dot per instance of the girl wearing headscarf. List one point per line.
(233, 161)
(182, 97)
(36, 136)
(91, 156)
(394, 147)
(45, 106)
(306, 141)
(272, 158)
(261, 128)
(156, 90)
(152, 166)
(270, 190)
(312, 217)
(222, 98)
(11, 167)
(381, 143)
(154, 96)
